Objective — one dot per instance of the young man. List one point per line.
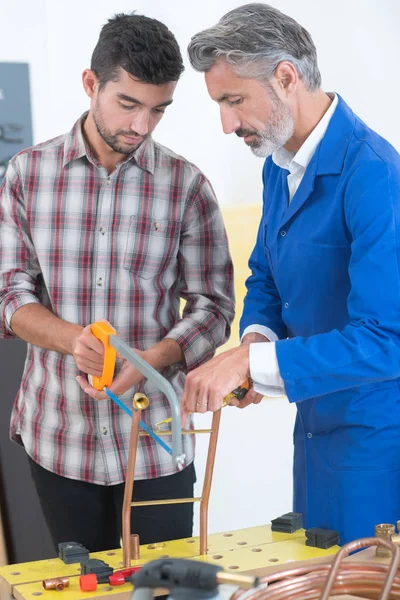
(321, 316)
(103, 222)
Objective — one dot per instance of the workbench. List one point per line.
(244, 550)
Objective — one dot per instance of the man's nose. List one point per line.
(140, 124)
(229, 119)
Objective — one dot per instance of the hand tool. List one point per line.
(238, 393)
(185, 579)
(112, 344)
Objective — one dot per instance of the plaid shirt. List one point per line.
(125, 247)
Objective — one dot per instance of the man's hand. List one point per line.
(126, 379)
(164, 353)
(88, 352)
(252, 397)
(208, 385)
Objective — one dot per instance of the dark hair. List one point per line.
(144, 47)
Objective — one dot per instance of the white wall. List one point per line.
(357, 42)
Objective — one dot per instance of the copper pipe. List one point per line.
(318, 582)
(128, 492)
(195, 431)
(307, 587)
(310, 585)
(184, 432)
(168, 501)
(135, 546)
(357, 545)
(57, 583)
(212, 448)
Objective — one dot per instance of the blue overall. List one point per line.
(326, 279)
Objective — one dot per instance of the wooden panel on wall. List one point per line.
(241, 222)
(3, 551)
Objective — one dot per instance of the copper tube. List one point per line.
(58, 583)
(168, 501)
(194, 431)
(212, 448)
(309, 586)
(184, 432)
(158, 426)
(135, 546)
(128, 492)
(319, 581)
(357, 545)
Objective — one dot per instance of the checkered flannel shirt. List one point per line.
(126, 247)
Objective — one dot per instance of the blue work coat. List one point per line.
(326, 279)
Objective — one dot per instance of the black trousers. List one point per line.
(91, 514)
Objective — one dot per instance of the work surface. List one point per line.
(238, 551)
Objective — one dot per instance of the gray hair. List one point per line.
(254, 39)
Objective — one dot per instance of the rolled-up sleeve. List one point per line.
(206, 281)
(19, 268)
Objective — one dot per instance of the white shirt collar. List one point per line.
(299, 162)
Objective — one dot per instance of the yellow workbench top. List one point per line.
(236, 551)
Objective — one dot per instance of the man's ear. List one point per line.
(90, 82)
(286, 77)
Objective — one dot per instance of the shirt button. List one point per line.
(104, 430)
(309, 435)
(286, 304)
(102, 230)
(99, 282)
(283, 233)
(108, 180)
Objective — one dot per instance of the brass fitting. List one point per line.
(384, 531)
(395, 538)
(58, 583)
(140, 401)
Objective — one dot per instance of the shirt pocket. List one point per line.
(152, 245)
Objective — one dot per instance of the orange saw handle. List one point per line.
(102, 330)
(239, 392)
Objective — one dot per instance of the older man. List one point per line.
(321, 320)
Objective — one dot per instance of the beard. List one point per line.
(277, 132)
(114, 139)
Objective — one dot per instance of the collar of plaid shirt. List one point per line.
(125, 247)
(75, 147)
